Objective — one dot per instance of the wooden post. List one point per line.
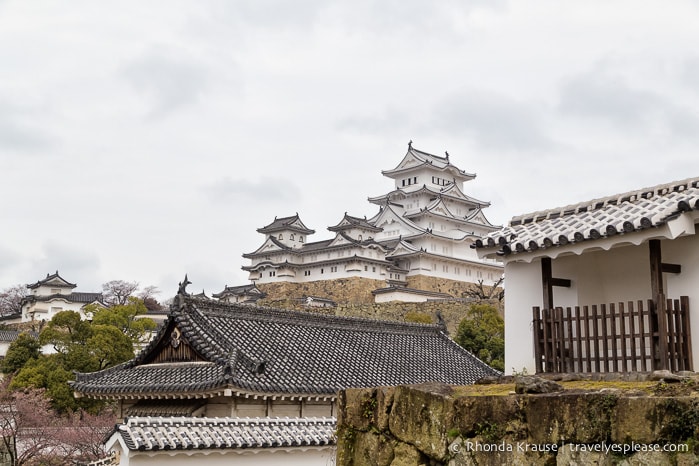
(538, 337)
(547, 282)
(686, 333)
(656, 269)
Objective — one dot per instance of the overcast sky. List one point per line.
(145, 140)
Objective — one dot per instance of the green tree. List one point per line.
(482, 332)
(83, 346)
(126, 317)
(24, 348)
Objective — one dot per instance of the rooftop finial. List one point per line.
(182, 290)
(410, 144)
(447, 154)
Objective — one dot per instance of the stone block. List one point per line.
(422, 416)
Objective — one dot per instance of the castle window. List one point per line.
(300, 239)
(360, 237)
(321, 271)
(273, 274)
(306, 273)
(291, 237)
(366, 268)
(415, 179)
(373, 269)
(281, 236)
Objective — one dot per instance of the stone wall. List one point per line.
(354, 299)
(433, 425)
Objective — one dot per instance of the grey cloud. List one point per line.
(168, 82)
(69, 260)
(227, 190)
(8, 259)
(690, 74)
(603, 97)
(494, 121)
(375, 124)
(18, 132)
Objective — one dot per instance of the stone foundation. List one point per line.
(433, 425)
(354, 299)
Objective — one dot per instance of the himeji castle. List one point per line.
(421, 234)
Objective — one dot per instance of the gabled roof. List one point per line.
(270, 245)
(388, 214)
(416, 159)
(187, 433)
(77, 297)
(53, 280)
(349, 222)
(619, 216)
(451, 191)
(251, 349)
(241, 290)
(292, 223)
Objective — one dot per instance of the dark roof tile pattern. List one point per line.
(263, 350)
(186, 433)
(596, 219)
(59, 282)
(286, 223)
(77, 297)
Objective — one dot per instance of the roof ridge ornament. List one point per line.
(410, 144)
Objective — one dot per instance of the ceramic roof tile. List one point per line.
(185, 433)
(263, 350)
(599, 218)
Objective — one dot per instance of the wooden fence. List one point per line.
(614, 338)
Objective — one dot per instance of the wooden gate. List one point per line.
(614, 338)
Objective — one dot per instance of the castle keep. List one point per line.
(421, 236)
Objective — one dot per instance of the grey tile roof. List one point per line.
(286, 223)
(619, 214)
(59, 282)
(186, 433)
(77, 297)
(164, 407)
(272, 351)
(348, 221)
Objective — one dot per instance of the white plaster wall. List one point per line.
(400, 296)
(601, 277)
(620, 274)
(261, 457)
(523, 291)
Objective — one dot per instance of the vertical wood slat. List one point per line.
(570, 355)
(578, 331)
(672, 310)
(588, 356)
(538, 338)
(605, 342)
(595, 339)
(623, 337)
(545, 331)
(642, 333)
(662, 339)
(632, 333)
(684, 305)
(612, 322)
(561, 340)
(679, 336)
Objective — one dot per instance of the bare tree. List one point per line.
(480, 291)
(31, 433)
(148, 296)
(11, 299)
(118, 291)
